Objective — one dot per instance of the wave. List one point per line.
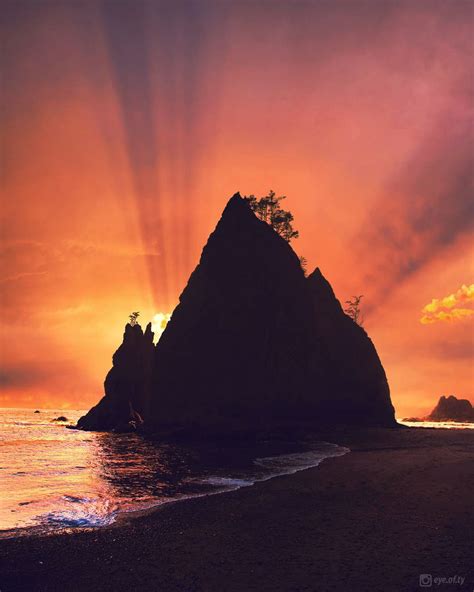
(449, 425)
(84, 512)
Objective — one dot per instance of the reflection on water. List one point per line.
(54, 478)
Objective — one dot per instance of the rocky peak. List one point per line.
(127, 385)
(148, 335)
(452, 409)
(353, 387)
(252, 344)
(322, 293)
(134, 334)
(240, 330)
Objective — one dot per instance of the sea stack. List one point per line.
(253, 344)
(126, 386)
(234, 352)
(452, 409)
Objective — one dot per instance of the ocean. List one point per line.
(55, 479)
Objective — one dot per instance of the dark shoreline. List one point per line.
(399, 505)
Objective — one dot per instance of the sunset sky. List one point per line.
(126, 126)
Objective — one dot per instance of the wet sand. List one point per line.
(399, 505)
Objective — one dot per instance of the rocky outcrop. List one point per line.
(452, 409)
(234, 349)
(346, 374)
(127, 385)
(252, 344)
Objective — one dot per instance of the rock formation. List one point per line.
(252, 344)
(233, 350)
(346, 362)
(452, 409)
(127, 385)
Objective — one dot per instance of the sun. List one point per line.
(159, 322)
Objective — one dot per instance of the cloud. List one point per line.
(425, 208)
(454, 307)
(456, 314)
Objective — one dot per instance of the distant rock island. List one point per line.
(252, 344)
(449, 409)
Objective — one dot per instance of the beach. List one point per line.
(398, 506)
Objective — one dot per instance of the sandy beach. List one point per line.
(399, 505)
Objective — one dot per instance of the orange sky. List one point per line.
(126, 127)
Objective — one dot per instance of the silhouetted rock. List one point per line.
(131, 424)
(60, 418)
(37, 411)
(452, 409)
(233, 352)
(127, 385)
(349, 381)
(252, 345)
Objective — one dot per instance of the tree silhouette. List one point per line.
(268, 209)
(133, 318)
(353, 310)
